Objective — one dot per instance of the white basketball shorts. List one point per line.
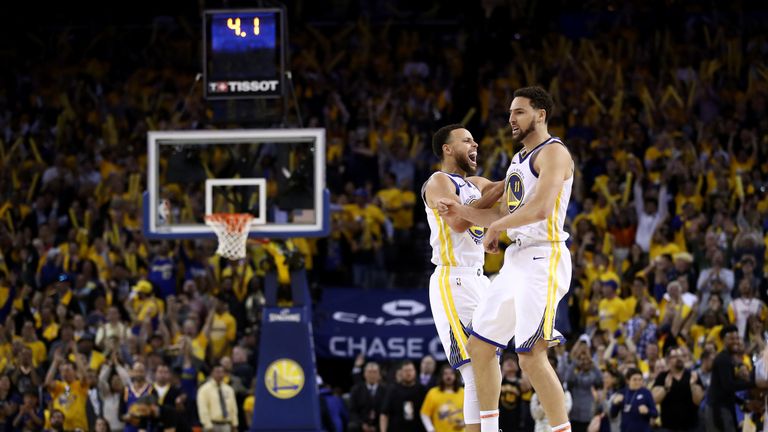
(454, 293)
(522, 300)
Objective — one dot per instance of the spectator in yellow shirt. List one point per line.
(143, 306)
(443, 407)
(29, 337)
(70, 394)
(390, 197)
(367, 222)
(222, 331)
(403, 220)
(611, 307)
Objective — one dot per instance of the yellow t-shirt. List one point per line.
(248, 404)
(70, 399)
(740, 167)
(682, 308)
(372, 219)
(404, 217)
(445, 409)
(39, 352)
(148, 308)
(599, 216)
(681, 200)
(5, 293)
(97, 359)
(702, 335)
(630, 304)
(6, 355)
(199, 344)
(653, 153)
(611, 313)
(51, 331)
(663, 249)
(223, 330)
(390, 201)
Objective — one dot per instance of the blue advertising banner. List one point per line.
(379, 324)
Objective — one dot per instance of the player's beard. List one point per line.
(524, 133)
(465, 165)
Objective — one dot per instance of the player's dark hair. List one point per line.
(441, 137)
(539, 98)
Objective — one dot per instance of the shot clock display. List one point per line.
(243, 53)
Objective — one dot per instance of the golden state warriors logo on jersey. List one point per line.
(515, 191)
(476, 232)
(284, 378)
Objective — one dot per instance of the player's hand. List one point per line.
(491, 241)
(447, 207)
(642, 409)
(617, 399)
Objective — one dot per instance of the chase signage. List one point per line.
(387, 325)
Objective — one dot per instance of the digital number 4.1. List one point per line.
(234, 24)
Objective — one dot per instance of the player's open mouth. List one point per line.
(472, 157)
(515, 129)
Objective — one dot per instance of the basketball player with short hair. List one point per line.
(457, 251)
(536, 274)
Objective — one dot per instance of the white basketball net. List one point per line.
(232, 230)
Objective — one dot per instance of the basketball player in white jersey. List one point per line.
(536, 274)
(457, 251)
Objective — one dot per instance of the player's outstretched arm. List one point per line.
(481, 212)
(441, 189)
(491, 192)
(554, 165)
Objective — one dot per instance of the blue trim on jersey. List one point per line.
(460, 364)
(473, 185)
(530, 161)
(522, 158)
(486, 340)
(455, 183)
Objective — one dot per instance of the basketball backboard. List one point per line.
(277, 175)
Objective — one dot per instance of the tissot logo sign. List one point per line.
(387, 325)
(403, 308)
(265, 86)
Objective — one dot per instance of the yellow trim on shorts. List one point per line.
(453, 316)
(552, 236)
(444, 283)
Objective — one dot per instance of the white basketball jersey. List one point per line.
(520, 187)
(450, 248)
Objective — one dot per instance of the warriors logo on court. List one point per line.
(515, 191)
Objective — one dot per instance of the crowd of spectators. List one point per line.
(666, 118)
